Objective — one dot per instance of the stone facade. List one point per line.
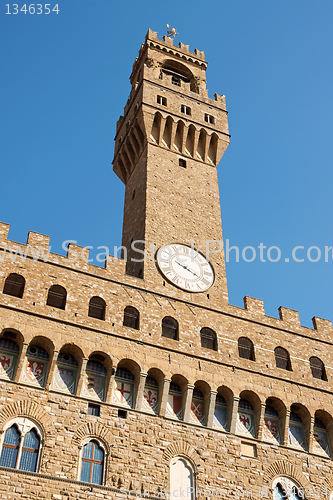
(139, 442)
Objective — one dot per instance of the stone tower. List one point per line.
(139, 379)
(168, 145)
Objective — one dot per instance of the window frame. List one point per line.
(212, 339)
(103, 446)
(13, 285)
(286, 359)
(190, 465)
(137, 317)
(96, 305)
(316, 367)
(250, 350)
(170, 327)
(24, 426)
(55, 294)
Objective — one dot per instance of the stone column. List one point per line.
(285, 427)
(53, 363)
(81, 376)
(211, 408)
(164, 397)
(141, 386)
(259, 420)
(111, 385)
(20, 363)
(232, 413)
(188, 401)
(309, 432)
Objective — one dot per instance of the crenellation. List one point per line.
(323, 326)
(37, 240)
(4, 230)
(255, 306)
(290, 316)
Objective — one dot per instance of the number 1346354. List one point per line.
(33, 8)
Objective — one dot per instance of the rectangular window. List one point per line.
(161, 100)
(182, 162)
(209, 118)
(94, 410)
(185, 109)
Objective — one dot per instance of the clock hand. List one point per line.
(187, 268)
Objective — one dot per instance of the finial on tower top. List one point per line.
(171, 32)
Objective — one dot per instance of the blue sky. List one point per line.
(64, 84)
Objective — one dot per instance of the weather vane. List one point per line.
(172, 32)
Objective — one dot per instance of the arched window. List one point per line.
(150, 396)
(92, 464)
(220, 413)
(65, 375)
(57, 297)
(321, 441)
(197, 413)
(36, 364)
(317, 368)
(21, 446)
(94, 385)
(208, 339)
(170, 328)
(9, 351)
(271, 428)
(285, 488)
(282, 358)
(14, 285)
(124, 391)
(97, 308)
(175, 405)
(182, 483)
(131, 317)
(246, 348)
(296, 437)
(245, 419)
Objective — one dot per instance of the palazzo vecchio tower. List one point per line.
(139, 379)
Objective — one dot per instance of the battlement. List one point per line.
(168, 42)
(37, 248)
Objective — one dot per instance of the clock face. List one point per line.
(186, 268)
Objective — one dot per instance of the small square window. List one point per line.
(94, 409)
(182, 162)
(209, 119)
(185, 109)
(122, 413)
(161, 100)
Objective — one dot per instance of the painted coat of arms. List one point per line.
(64, 380)
(123, 394)
(150, 400)
(94, 387)
(197, 412)
(34, 372)
(245, 424)
(271, 430)
(174, 407)
(7, 366)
